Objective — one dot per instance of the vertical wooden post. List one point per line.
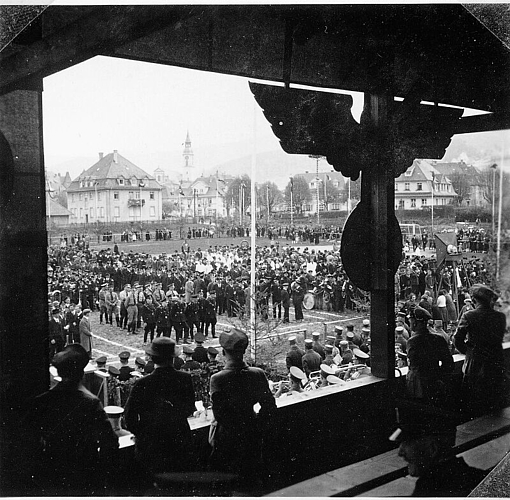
(378, 191)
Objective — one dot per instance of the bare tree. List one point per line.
(300, 192)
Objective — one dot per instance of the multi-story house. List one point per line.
(422, 186)
(114, 190)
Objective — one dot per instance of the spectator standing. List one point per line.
(86, 332)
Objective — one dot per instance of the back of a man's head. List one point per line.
(71, 362)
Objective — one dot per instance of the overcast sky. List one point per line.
(141, 108)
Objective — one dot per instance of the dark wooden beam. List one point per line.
(100, 32)
(483, 123)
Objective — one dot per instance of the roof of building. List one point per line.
(328, 176)
(55, 209)
(110, 171)
(454, 168)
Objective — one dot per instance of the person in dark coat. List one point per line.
(430, 362)
(294, 355)
(56, 333)
(311, 359)
(237, 431)
(285, 302)
(69, 447)
(480, 336)
(86, 332)
(157, 412)
(200, 352)
(125, 370)
(149, 316)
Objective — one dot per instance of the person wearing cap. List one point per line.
(296, 380)
(400, 339)
(430, 362)
(426, 444)
(101, 364)
(114, 414)
(189, 363)
(191, 313)
(149, 317)
(132, 309)
(210, 316)
(139, 367)
(468, 306)
(480, 336)
(157, 412)
(345, 352)
(328, 360)
(102, 304)
(112, 308)
(125, 369)
(80, 446)
(56, 330)
(237, 431)
(123, 295)
(317, 346)
(178, 319)
(294, 355)
(311, 359)
(331, 340)
(86, 332)
(163, 324)
(326, 371)
(200, 352)
(285, 300)
(213, 365)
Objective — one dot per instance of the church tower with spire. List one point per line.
(188, 158)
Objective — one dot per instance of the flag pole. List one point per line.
(253, 211)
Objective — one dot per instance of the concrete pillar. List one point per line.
(23, 258)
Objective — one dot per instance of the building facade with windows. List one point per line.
(114, 190)
(422, 186)
(318, 183)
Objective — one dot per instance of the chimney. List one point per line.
(115, 156)
(101, 156)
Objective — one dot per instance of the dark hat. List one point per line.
(328, 348)
(483, 293)
(101, 360)
(112, 370)
(124, 355)
(55, 311)
(199, 338)
(188, 350)
(113, 411)
(234, 340)
(339, 330)
(140, 361)
(71, 361)
(212, 350)
(349, 327)
(162, 347)
(421, 314)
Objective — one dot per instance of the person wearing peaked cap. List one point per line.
(345, 352)
(113, 371)
(360, 355)
(140, 362)
(295, 383)
(480, 336)
(200, 352)
(317, 346)
(125, 369)
(213, 365)
(328, 360)
(400, 339)
(294, 355)
(163, 436)
(234, 390)
(325, 372)
(189, 363)
(86, 332)
(339, 331)
(366, 322)
(430, 362)
(114, 414)
(311, 359)
(52, 415)
(101, 364)
(334, 380)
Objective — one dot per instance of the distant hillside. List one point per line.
(276, 166)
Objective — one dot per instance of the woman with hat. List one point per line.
(480, 336)
(430, 362)
(157, 412)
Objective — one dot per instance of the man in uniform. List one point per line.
(200, 352)
(189, 363)
(56, 333)
(213, 365)
(125, 369)
(103, 311)
(317, 346)
(285, 302)
(178, 318)
(237, 431)
(311, 359)
(294, 355)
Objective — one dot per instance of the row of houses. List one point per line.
(116, 190)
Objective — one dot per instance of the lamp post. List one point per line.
(493, 167)
(348, 195)
(50, 191)
(267, 200)
(291, 202)
(194, 206)
(432, 208)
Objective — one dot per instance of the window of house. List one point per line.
(409, 172)
(137, 195)
(413, 203)
(101, 212)
(424, 202)
(121, 181)
(72, 197)
(396, 186)
(153, 211)
(419, 186)
(80, 196)
(400, 204)
(91, 212)
(81, 213)
(116, 211)
(130, 195)
(115, 195)
(99, 196)
(151, 195)
(407, 186)
(335, 206)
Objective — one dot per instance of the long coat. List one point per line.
(86, 334)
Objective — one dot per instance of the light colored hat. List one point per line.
(366, 322)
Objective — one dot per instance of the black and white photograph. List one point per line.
(254, 249)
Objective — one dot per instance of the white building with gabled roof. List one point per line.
(114, 190)
(422, 185)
